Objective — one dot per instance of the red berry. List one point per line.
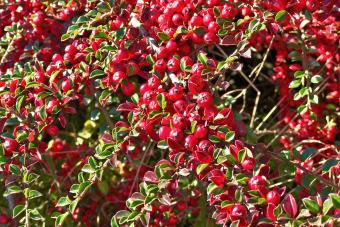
(273, 197)
(128, 88)
(118, 76)
(66, 85)
(4, 219)
(179, 121)
(160, 65)
(201, 132)
(173, 65)
(190, 142)
(238, 212)
(52, 130)
(10, 145)
(164, 132)
(176, 93)
(204, 99)
(153, 82)
(176, 134)
(256, 182)
(52, 105)
(248, 163)
(8, 100)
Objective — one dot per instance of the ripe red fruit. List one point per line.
(40, 77)
(118, 77)
(128, 88)
(160, 65)
(177, 19)
(10, 145)
(176, 93)
(255, 182)
(173, 65)
(164, 132)
(210, 38)
(204, 145)
(179, 121)
(195, 21)
(273, 197)
(190, 142)
(248, 163)
(180, 106)
(176, 134)
(204, 99)
(201, 132)
(171, 46)
(238, 212)
(52, 105)
(52, 130)
(4, 219)
(8, 100)
(213, 27)
(181, 205)
(154, 82)
(66, 85)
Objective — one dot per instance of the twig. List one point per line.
(102, 109)
(147, 150)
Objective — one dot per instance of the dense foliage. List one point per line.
(169, 113)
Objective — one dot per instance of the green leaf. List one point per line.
(96, 73)
(335, 200)
(295, 84)
(63, 201)
(311, 205)
(326, 206)
(161, 101)
(65, 36)
(120, 33)
(150, 59)
(162, 36)
(329, 164)
(73, 205)
(35, 215)
(114, 222)
(14, 169)
(299, 74)
(32, 84)
(100, 35)
(18, 210)
(229, 136)
(18, 103)
(202, 58)
(253, 25)
(12, 190)
(162, 145)
(201, 167)
(316, 79)
(280, 16)
(303, 91)
(87, 168)
(211, 188)
(61, 218)
(302, 109)
(214, 139)
(34, 194)
(241, 155)
(103, 7)
(307, 153)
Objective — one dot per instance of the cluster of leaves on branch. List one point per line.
(169, 113)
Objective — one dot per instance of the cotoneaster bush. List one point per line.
(169, 113)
